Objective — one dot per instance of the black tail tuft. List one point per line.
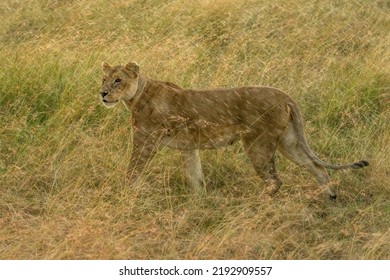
(360, 164)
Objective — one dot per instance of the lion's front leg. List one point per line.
(193, 169)
(144, 148)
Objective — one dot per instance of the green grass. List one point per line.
(63, 156)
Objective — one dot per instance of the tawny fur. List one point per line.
(265, 119)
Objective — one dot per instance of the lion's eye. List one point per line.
(117, 81)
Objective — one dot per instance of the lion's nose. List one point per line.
(103, 93)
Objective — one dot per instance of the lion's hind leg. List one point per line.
(262, 157)
(291, 148)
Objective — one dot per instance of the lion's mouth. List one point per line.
(109, 103)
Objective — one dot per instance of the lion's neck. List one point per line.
(142, 81)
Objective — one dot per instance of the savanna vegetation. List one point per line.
(63, 155)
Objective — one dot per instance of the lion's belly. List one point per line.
(205, 138)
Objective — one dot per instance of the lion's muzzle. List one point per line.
(103, 93)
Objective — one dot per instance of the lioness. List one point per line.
(264, 118)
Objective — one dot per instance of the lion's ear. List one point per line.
(133, 69)
(106, 67)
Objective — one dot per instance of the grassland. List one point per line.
(63, 156)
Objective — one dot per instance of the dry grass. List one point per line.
(62, 155)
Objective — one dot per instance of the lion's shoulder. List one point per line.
(165, 84)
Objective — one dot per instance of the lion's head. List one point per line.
(119, 83)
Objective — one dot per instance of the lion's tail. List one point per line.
(298, 125)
